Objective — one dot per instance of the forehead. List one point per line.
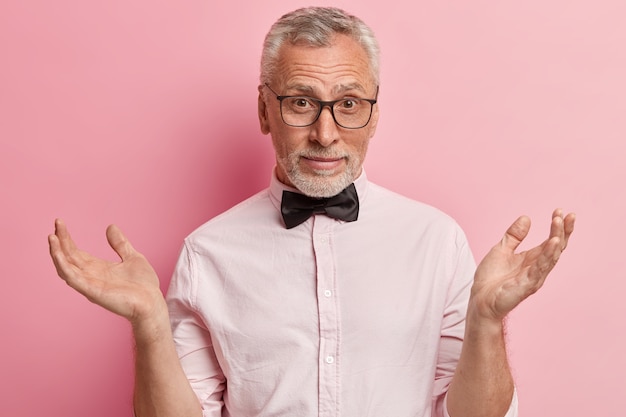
(343, 65)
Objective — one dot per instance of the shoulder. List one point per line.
(250, 214)
(388, 213)
(383, 201)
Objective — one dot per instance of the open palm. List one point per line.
(129, 288)
(504, 278)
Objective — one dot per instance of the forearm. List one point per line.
(161, 387)
(482, 385)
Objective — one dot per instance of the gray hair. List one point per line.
(315, 26)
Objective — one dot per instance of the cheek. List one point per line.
(359, 147)
(286, 141)
(363, 151)
(282, 146)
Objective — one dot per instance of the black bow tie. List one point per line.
(297, 208)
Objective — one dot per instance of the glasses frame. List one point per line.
(322, 104)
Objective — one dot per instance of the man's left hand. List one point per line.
(504, 278)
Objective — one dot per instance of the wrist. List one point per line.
(152, 325)
(477, 323)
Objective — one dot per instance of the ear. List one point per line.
(263, 117)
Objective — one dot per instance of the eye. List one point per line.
(300, 105)
(301, 102)
(349, 104)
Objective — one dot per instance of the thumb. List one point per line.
(516, 233)
(119, 242)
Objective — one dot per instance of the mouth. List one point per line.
(323, 163)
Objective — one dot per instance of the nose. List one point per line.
(325, 131)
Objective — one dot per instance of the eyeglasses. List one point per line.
(303, 111)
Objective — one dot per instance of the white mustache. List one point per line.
(321, 154)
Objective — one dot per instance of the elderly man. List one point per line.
(325, 294)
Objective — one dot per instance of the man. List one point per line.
(354, 302)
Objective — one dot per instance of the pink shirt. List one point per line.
(328, 318)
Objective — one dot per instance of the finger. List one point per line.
(568, 227)
(54, 246)
(562, 226)
(64, 268)
(556, 226)
(72, 253)
(68, 271)
(545, 262)
(119, 242)
(516, 233)
(65, 240)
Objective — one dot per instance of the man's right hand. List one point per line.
(129, 288)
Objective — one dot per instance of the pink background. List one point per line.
(143, 114)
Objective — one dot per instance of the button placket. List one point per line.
(328, 310)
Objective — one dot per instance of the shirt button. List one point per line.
(328, 293)
(330, 359)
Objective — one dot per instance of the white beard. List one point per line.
(320, 184)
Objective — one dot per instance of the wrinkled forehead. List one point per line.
(342, 65)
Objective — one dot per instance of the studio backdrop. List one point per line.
(144, 114)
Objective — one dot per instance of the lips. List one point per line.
(323, 164)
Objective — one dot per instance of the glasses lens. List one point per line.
(351, 113)
(299, 111)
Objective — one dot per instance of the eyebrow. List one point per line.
(342, 88)
(339, 89)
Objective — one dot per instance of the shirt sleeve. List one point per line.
(463, 267)
(193, 339)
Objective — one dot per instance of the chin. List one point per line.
(321, 185)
